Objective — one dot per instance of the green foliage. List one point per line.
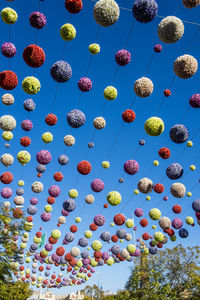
(14, 291)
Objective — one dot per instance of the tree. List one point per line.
(14, 291)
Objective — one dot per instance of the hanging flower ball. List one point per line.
(196, 205)
(94, 48)
(69, 140)
(106, 12)
(145, 11)
(131, 167)
(156, 163)
(7, 135)
(58, 176)
(185, 66)
(155, 214)
(73, 194)
(192, 167)
(84, 167)
(142, 142)
(75, 251)
(99, 123)
(67, 32)
(43, 157)
(31, 85)
(7, 123)
(26, 125)
(145, 185)
(157, 48)
(25, 141)
(154, 126)
(178, 190)
(189, 194)
(143, 87)
(37, 20)
(8, 49)
(51, 200)
(8, 80)
(19, 200)
(93, 227)
(170, 30)
(60, 251)
(121, 233)
(96, 245)
(6, 193)
(21, 183)
(51, 119)
(47, 137)
(178, 134)
(90, 145)
(99, 220)
(119, 219)
(37, 187)
(63, 159)
(69, 237)
(31, 210)
(61, 71)
(128, 116)
(76, 118)
(123, 57)
(189, 220)
(164, 153)
(9, 15)
(191, 3)
(177, 223)
(174, 171)
(110, 93)
(73, 6)
(89, 199)
(121, 180)
(85, 84)
(29, 105)
(73, 228)
(139, 212)
(7, 145)
(189, 144)
(23, 157)
(158, 236)
(195, 100)
(159, 188)
(7, 99)
(34, 56)
(143, 222)
(165, 222)
(7, 159)
(167, 93)
(69, 205)
(56, 234)
(41, 168)
(54, 191)
(97, 185)
(183, 233)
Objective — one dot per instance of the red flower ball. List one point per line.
(39, 175)
(51, 119)
(21, 268)
(69, 269)
(177, 209)
(159, 245)
(72, 262)
(52, 240)
(159, 188)
(58, 176)
(25, 141)
(60, 251)
(68, 257)
(164, 153)
(39, 234)
(120, 258)
(114, 238)
(143, 222)
(28, 275)
(145, 236)
(84, 167)
(41, 268)
(43, 255)
(119, 219)
(6, 177)
(169, 231)
(53, 276)
(74, 6)
(73, 228)
(23, 279)
(105, 205)
(51, 200)
(93, 227)
(17, 213)
(29, 219)
(89, 275)
(34, 56)
(58, 280)
(97, 254)
(58, 224)
(88, 267)
(128, 116)
(167, 93)
(8, 80)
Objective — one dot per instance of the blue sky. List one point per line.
(141, 41)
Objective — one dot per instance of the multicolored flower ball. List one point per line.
(47, 137)
(99, 123)
(174, 171)
(145, 185)
(26, 125)
(106, 12)
(145, 11)
(51, 119)
(178, 190)
(25, 141)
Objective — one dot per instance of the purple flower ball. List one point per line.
(195, 101)
(54, 191)
(43, 157)
(8, 49)
(153, 250)
(55, 257)
(61, 71)
(69, 205)
(34, 201)
(84, 254)
(196, 205)
(76, 118)
(29, 105)
(165, 198)
(145, 11)
(37, 256)
(105, 255)
(6, 193)
(123, 57)
(177, 223)
(115, 249)
(139, 212)
(83, 242)
(99, 220)
(37, 20)
(137, 252)
(97, 185)
(69, 237)
(131, 167)
(86, 261)
(31, 210)
(48, 267)
(45, 216)
(157, 48)
(34, 246)
(85, 84)
(48, 247)
(92, 270)
(47, 273)
(64, 212)
(65, 242)
(26, 125)
(105, 236)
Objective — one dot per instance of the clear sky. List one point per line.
(140, 41)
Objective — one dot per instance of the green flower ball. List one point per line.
(73, 193)
(158, 236)
(88, 234)
(67, 32)
(31, 85)
(47, 137)
(94, 48)
(154, 126)
(189, 220)
(114, 198)
(129, 223)
(44, 252)
(110, 93)
(105, 164)
(79, 263)
(78, 220)
(173, 238)
(96, 245)
(9, 15)
(155, 214)
(48, 208)
(7, 135)
(23, 157)
(56, 234)
(131, 248)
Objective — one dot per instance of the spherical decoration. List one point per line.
(63, 159)
(67, 32)
(76, 118)
(69, 237)
(148, 198)
(84, 167)
(189, 194)
(185, 66)
(119, 219)
(183, 233)
(123, 57)
(105, 164)
(7, 135)
(139, 212)
(25, 141)
(191, 3)
(31, 85)
(174, 171)
(157, 48)
(75, 251)
(178, 190)
(195, 101)
(145, 11)
(48, 208)
(47, 137)
(99, 220)
(83, 242)
(179, 134)
(143, 222)
(170, 29)
(58, 176)
(106, 12)
(37, 187)
(54, 191)
(155, 214)
(6, 193)
(26, 125)
(60, 251)
(7, 99)
(21, 183)
(156, 163)
(114, 198)
(73, 6)
(99, 123)
(128, 116)
(56, 234)
(61, 71)
(165, 222)
(73, 193)
(29, 105)
(93, 227)
(167, 93)
(41, 168)
(154, 126)
(8, 49)
(19, 200)
(7, 123)
(7, 159)
(37, 20)
(121, 233)
(6, 177)
(7, 145)
(164, 153)
(121, 180)
(34, 201)
(69, 205)
(90, 145)
(110, 93)
(69, 140)
(97, 185)
(158, 188)
(131, 167)
(43, 157)
(9, 15)
(189, 220)
(23, 157)
(177, 223)
(31, 210)
(96, 245)
(196, 205)
(158, 236)
(34, 56)
(61, 220)
(145, 185)
(189, 144)
(94, 48)
(85, 84)
(143, 87)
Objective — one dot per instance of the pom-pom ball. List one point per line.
(47, 137)
(179, 134)
(75, 251)
(56, 234)
(9, 15)
(158, 188)
(177, 223)
(7, 123)
(37, 20)
(174, 171)
(128, 116)
(143, 87)
(58, 176)
(8, 80)
(63, 159)
(43, 157)
(84, 167)
(164, 153)
(165, 222)
(123, 57)
(145, 185)
(73, 6)
(106, 12)
(96, 245)
(7, 99)
(89, 199)
(155, 214)
(154, 126)
(158, 236)
(26, 125)
(121, 233)
(54, 191)
(94, 48)
(167, 93)
(29, 105)
(97, 185)
(51, 119)
(69, 205)
(6, 193)
(37, 187)
(105, 164)
(85, 84)
(119, 219)
(93, 227)
(189, 220)
(73, 193)
(183, 233)
(69, 140)
(8, 49)
(7, 159)
(23, 157)
(142, 142)
(131, 167)
(76, 118)
(99, 220)
(99, 123)
(34, 56)
(178, 190)
(170, 29)
(25, 141)
(185, 66)
(195, 101)
(31, 85)
(67, 32)
(41, 168)
(157, 48)
(110, 93)
(61, 71)
(196, 205)
(143, 222)
(139, 212)
(145, 11)
(191, 3)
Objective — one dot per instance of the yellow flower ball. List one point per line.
(156, 163)
(189, 194)
(110, 93)
(88, 234)
(121, 241)
(73, 193)
(94, 48)
(154, 227)
(37, 240)
(48, 208)
(20, 183)
(112, 224)
(9, 15)
(105, 164)
(7, 135)
(136, 192)
(23, 157)
(148, 198)
(67, 32)
(78, 220)
(189, 144)
(192, 167)
(129, 223)
(47, 137)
